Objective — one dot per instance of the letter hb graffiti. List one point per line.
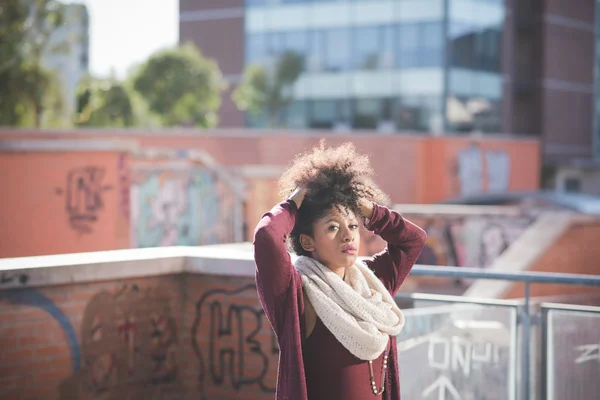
(83, 196)
(233, 345)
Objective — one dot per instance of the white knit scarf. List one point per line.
(357, 310)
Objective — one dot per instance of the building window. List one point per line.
(295, 115)
(337, 50)
(256, 48)
(419, 45)
(473, 114)
(367, 113)
(366, 48)
(475, 47)
(417, 113)
(329, 114)
(322, 114)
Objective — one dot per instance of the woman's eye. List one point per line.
(333, 228)
(354, 226)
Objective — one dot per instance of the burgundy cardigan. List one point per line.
(279, 286)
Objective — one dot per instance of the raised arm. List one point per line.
(274, 268)
(405, 241)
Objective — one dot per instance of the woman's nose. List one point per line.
(347, 235)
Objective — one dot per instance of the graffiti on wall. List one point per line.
(128, 347)
(83, 194)
(233, 341)
(469, 241)
(180, 208)
(123, 176)
(33, 298)
(480, 170)
(474, 241)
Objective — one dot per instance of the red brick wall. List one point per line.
(161, 337)
(576, 252)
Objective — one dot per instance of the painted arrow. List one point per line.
(443, 385)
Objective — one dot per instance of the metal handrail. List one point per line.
(525, 317)
(525, 276)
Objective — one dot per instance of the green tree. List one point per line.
(110, 103)
(181, 86)
(268, 89)
(27, 89)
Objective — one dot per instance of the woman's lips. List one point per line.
(349, 250)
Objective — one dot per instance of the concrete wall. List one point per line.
(576, 251)
(462, 236)
(139, 329)
(69, 196)
(63, 201)
(556, 242)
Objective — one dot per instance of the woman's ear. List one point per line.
(307, 242)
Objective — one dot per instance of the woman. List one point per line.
(334, 316)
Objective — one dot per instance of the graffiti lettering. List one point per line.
(460, 355)
(6, 278)
(233, 342)
(83, 197)
(128, 343)
(590, 352)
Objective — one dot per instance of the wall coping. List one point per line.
(62, 269)
(69, 145)
(253, 133)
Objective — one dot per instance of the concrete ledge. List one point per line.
(230, 260)
(68, 145)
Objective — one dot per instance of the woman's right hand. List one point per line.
(298, 196)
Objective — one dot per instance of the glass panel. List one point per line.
(367, 113)
(276, 42)
(407, 38)
(337, 50)
(573, 355)
(366, 48)
(417, 113)
(316, 51)
(295, 115)
(322, 114)
(473, 114)
(458, 352)
(256, 48)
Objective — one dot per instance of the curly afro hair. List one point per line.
(333, 177)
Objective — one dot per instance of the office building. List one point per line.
(436, 67)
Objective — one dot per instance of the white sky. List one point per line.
(125, 32)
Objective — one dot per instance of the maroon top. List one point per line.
(279, 287)
(333, 373)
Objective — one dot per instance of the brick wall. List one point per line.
(175, 336)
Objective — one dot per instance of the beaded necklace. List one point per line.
(383, 372)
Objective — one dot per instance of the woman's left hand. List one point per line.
(366, 207)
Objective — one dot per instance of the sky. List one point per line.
(124, 33)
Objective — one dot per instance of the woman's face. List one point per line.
(336, 240)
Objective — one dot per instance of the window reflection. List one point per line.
(366, 48)
(475, 48)
(417, 113)
(337, 50)
(367, 113)
(419, 45)
(472, 114)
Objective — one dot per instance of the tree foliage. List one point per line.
(111, 103)
(181, 86)
(27, 89)
(268, 89)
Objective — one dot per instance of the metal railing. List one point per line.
(524, 320)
